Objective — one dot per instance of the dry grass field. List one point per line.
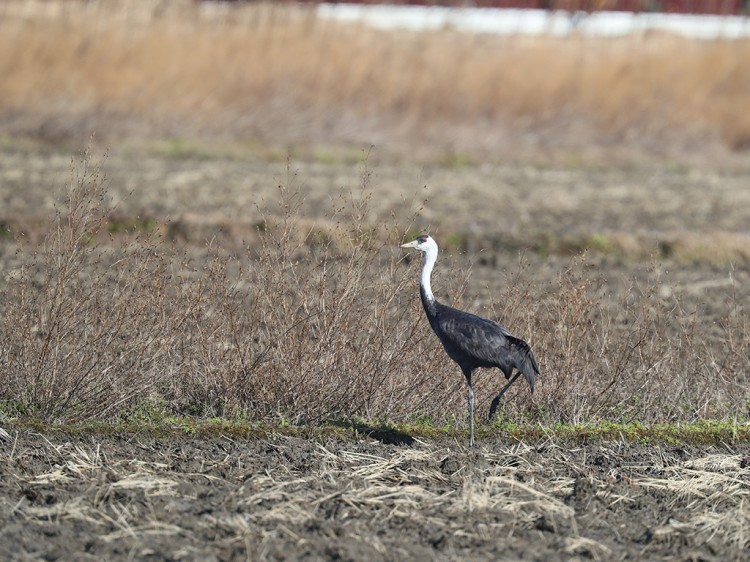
(271, 291)
(276, 73)
(208, 336)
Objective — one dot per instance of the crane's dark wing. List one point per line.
(473, 341)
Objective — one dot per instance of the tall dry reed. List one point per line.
(277, 72)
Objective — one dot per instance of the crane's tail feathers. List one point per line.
(527, 364)
(530, 370)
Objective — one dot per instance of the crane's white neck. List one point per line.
(430, 257)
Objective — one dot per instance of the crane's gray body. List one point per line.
(473, 341)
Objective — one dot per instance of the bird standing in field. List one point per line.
(470, 340)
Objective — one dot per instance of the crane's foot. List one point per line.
(493, 407)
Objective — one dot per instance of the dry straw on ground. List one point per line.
(324, 498)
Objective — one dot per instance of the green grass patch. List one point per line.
(182, 148)
(456, 160)
(131, 224)
(162, 425)
(700, 432)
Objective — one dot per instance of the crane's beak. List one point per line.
(412, 244)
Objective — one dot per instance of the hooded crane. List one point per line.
(472, 341)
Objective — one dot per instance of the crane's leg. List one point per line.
(470, 399)
(496, 401)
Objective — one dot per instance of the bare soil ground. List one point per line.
(685, 225)
(126, 497)
(228, 183)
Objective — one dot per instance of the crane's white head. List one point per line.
(423, 243)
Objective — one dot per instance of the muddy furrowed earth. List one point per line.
(356, 498)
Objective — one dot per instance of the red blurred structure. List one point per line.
(715, 7)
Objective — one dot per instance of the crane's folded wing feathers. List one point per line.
(473, 341)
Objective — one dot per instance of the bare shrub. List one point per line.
(637, 358)
(318, 324)
(82, 332)
(312, 322)
(321, 320)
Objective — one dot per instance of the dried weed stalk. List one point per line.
(84, 329)
(639, 357)
(321, 320)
